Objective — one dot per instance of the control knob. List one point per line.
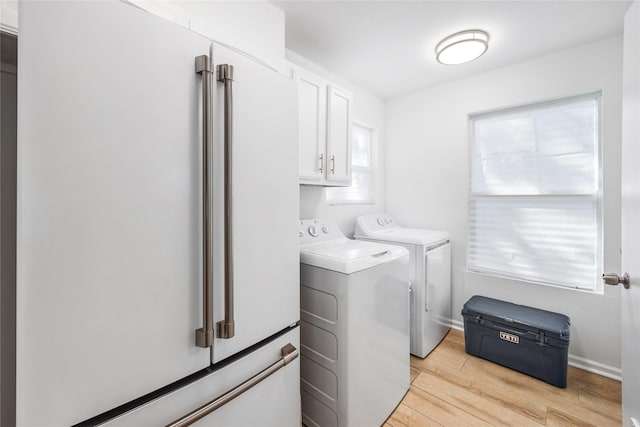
(313, 230)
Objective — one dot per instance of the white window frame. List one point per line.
(596, 286)
(337, 196)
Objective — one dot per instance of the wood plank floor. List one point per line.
(452, 388)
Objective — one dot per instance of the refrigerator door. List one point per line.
(263, 201)
(109, 208)
(273, 402)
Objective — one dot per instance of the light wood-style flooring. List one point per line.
(452, 388)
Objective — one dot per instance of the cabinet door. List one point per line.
(311, 129)
(338, 137)
(109, 215)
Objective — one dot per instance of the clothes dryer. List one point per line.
(430, 276)
(354, 315)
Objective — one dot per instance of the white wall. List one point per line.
(9, 16)
(368, 110)
(255, 27)
(427, 170)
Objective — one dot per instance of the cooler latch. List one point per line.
(542, 339)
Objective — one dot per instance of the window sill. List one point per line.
(599, 290)
(352, 203)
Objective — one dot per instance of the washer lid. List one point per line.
(383, 227)
(349, 256)
(414, 236)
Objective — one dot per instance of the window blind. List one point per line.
(535, 193)
(362, 189)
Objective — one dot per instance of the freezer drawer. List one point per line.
(273, 402)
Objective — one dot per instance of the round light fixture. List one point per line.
(462, 47)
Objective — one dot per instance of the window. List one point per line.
(362, 189)
(534, 201)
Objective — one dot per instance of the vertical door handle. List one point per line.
(321, 163)
(226, 327)
(333, 164)
(204, 335)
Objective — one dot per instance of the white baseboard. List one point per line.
(457, 324)
(576, 361)
(595, 367)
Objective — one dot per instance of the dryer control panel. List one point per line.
(316, 230)
(374, 222)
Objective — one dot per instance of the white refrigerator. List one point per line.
(157, 225)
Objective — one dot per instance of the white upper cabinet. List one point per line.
(312, 101)
(338, 137)
(324, 131)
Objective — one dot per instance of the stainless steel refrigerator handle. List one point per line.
(289, 354)
(204, 335)
(226, 328)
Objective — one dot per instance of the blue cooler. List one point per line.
(527, 339)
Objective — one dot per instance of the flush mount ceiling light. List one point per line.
(462, 47)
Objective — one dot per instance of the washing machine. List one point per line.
(430, 276)
(354, 316)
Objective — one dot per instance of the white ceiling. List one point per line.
(388, 47)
